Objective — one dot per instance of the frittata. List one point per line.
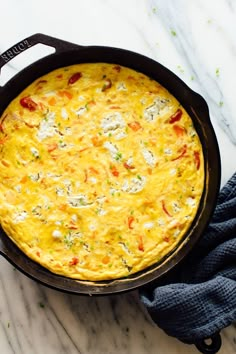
(102, 171)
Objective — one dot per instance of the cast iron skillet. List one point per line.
(67, 54)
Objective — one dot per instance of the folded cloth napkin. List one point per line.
(199, 297)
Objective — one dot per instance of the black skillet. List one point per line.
(67, 54)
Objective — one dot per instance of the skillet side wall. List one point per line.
(197, 109)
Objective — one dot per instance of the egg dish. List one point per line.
(102, 171)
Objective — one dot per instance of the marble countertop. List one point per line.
(196, 40)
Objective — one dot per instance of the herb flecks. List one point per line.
(181, 70)
(118, 156)
(217, 72)
(174, 34)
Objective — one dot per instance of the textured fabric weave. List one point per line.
(199, 298)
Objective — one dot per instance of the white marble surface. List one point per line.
(197, 40)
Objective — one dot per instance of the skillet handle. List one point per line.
(211, 348)
(59, 45)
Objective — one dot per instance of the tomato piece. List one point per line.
(135, 126)
(28, 103)
(176, 116)
(75, 77)
(74, 261)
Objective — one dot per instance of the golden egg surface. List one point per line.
(102, 171)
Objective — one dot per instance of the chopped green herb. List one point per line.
(174, 34)
(179, 67)
(108, 182)
(217, 72)
(139, 177)
(68, 241)
(154, 10)
(192, 78)
(221, 103)
(110, 265)
(99, 133)
(109, 135)
(41, 305)
(118, 156)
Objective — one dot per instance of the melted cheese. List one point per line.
(102, 171)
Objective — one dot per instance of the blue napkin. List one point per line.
(199, 297)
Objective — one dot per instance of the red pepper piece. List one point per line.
(74, 261)
(117, 68)
(135, 126)
(114, 171)
(106, 85)
(166, 239)
(85, 176)
(28, 103)
(197, 159)
(179, 131)
(183, 152)
(164, 209)
(75, 77)
(130, 222)
(140, 244)
(72, 225)
(176, 116)
(128, 167)
(41, 82)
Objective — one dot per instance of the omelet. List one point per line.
(102, 171)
